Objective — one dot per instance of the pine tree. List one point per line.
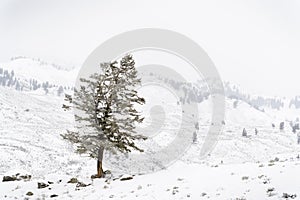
(244, 133)
(281, 126)
(107, 102)
(60, 90)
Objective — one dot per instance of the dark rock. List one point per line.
(105, 186)
(29, 193)
(73, 180)
(286, 196)
(42, 185)
(80, 184)
(126, 178)
(53, 195)
(9, 178)
(25, 177)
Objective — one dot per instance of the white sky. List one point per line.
(255, 44)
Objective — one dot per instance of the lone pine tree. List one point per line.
(106, 103)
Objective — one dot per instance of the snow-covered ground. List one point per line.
(259, 166)
(262, 166)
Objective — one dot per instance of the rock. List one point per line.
(53, 195)
(29, 193)
(203, 194)
(175, 190)
(265, 181)
(73, 180)
(126, 178)
(245, 178)
(80, 184)
(50, 182)
(25, 177)
(9, 178)
(139, 187)
(261, 176)
(287, 196)
(107, 174)
(270, 190)
(42, 185)
(16, 177)
(111, 196)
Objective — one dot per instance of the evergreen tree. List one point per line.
(281, 126)
(244, 133)
(107, 102)
(60, 90)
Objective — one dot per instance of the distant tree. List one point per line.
(244, 133)
(45, 87)
(195, 134)
(107, 101)
(18, 86)
(235, 104)
(273, 125)
(295, 127)
(281, 126)
(256, 131)
(60, 90)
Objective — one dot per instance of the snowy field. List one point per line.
(262, 166)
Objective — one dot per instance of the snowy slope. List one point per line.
(29, 68)
(30, 143)
(30, 133)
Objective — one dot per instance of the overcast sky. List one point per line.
(255, 44)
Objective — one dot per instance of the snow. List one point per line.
(238, 167)
(29, 68)
(181, 181)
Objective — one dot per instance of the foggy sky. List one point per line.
(255, 44)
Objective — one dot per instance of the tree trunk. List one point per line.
(100, 173)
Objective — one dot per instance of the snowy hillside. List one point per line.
(257, 166)
(238, 167)
(29, 74)
(27, 68)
